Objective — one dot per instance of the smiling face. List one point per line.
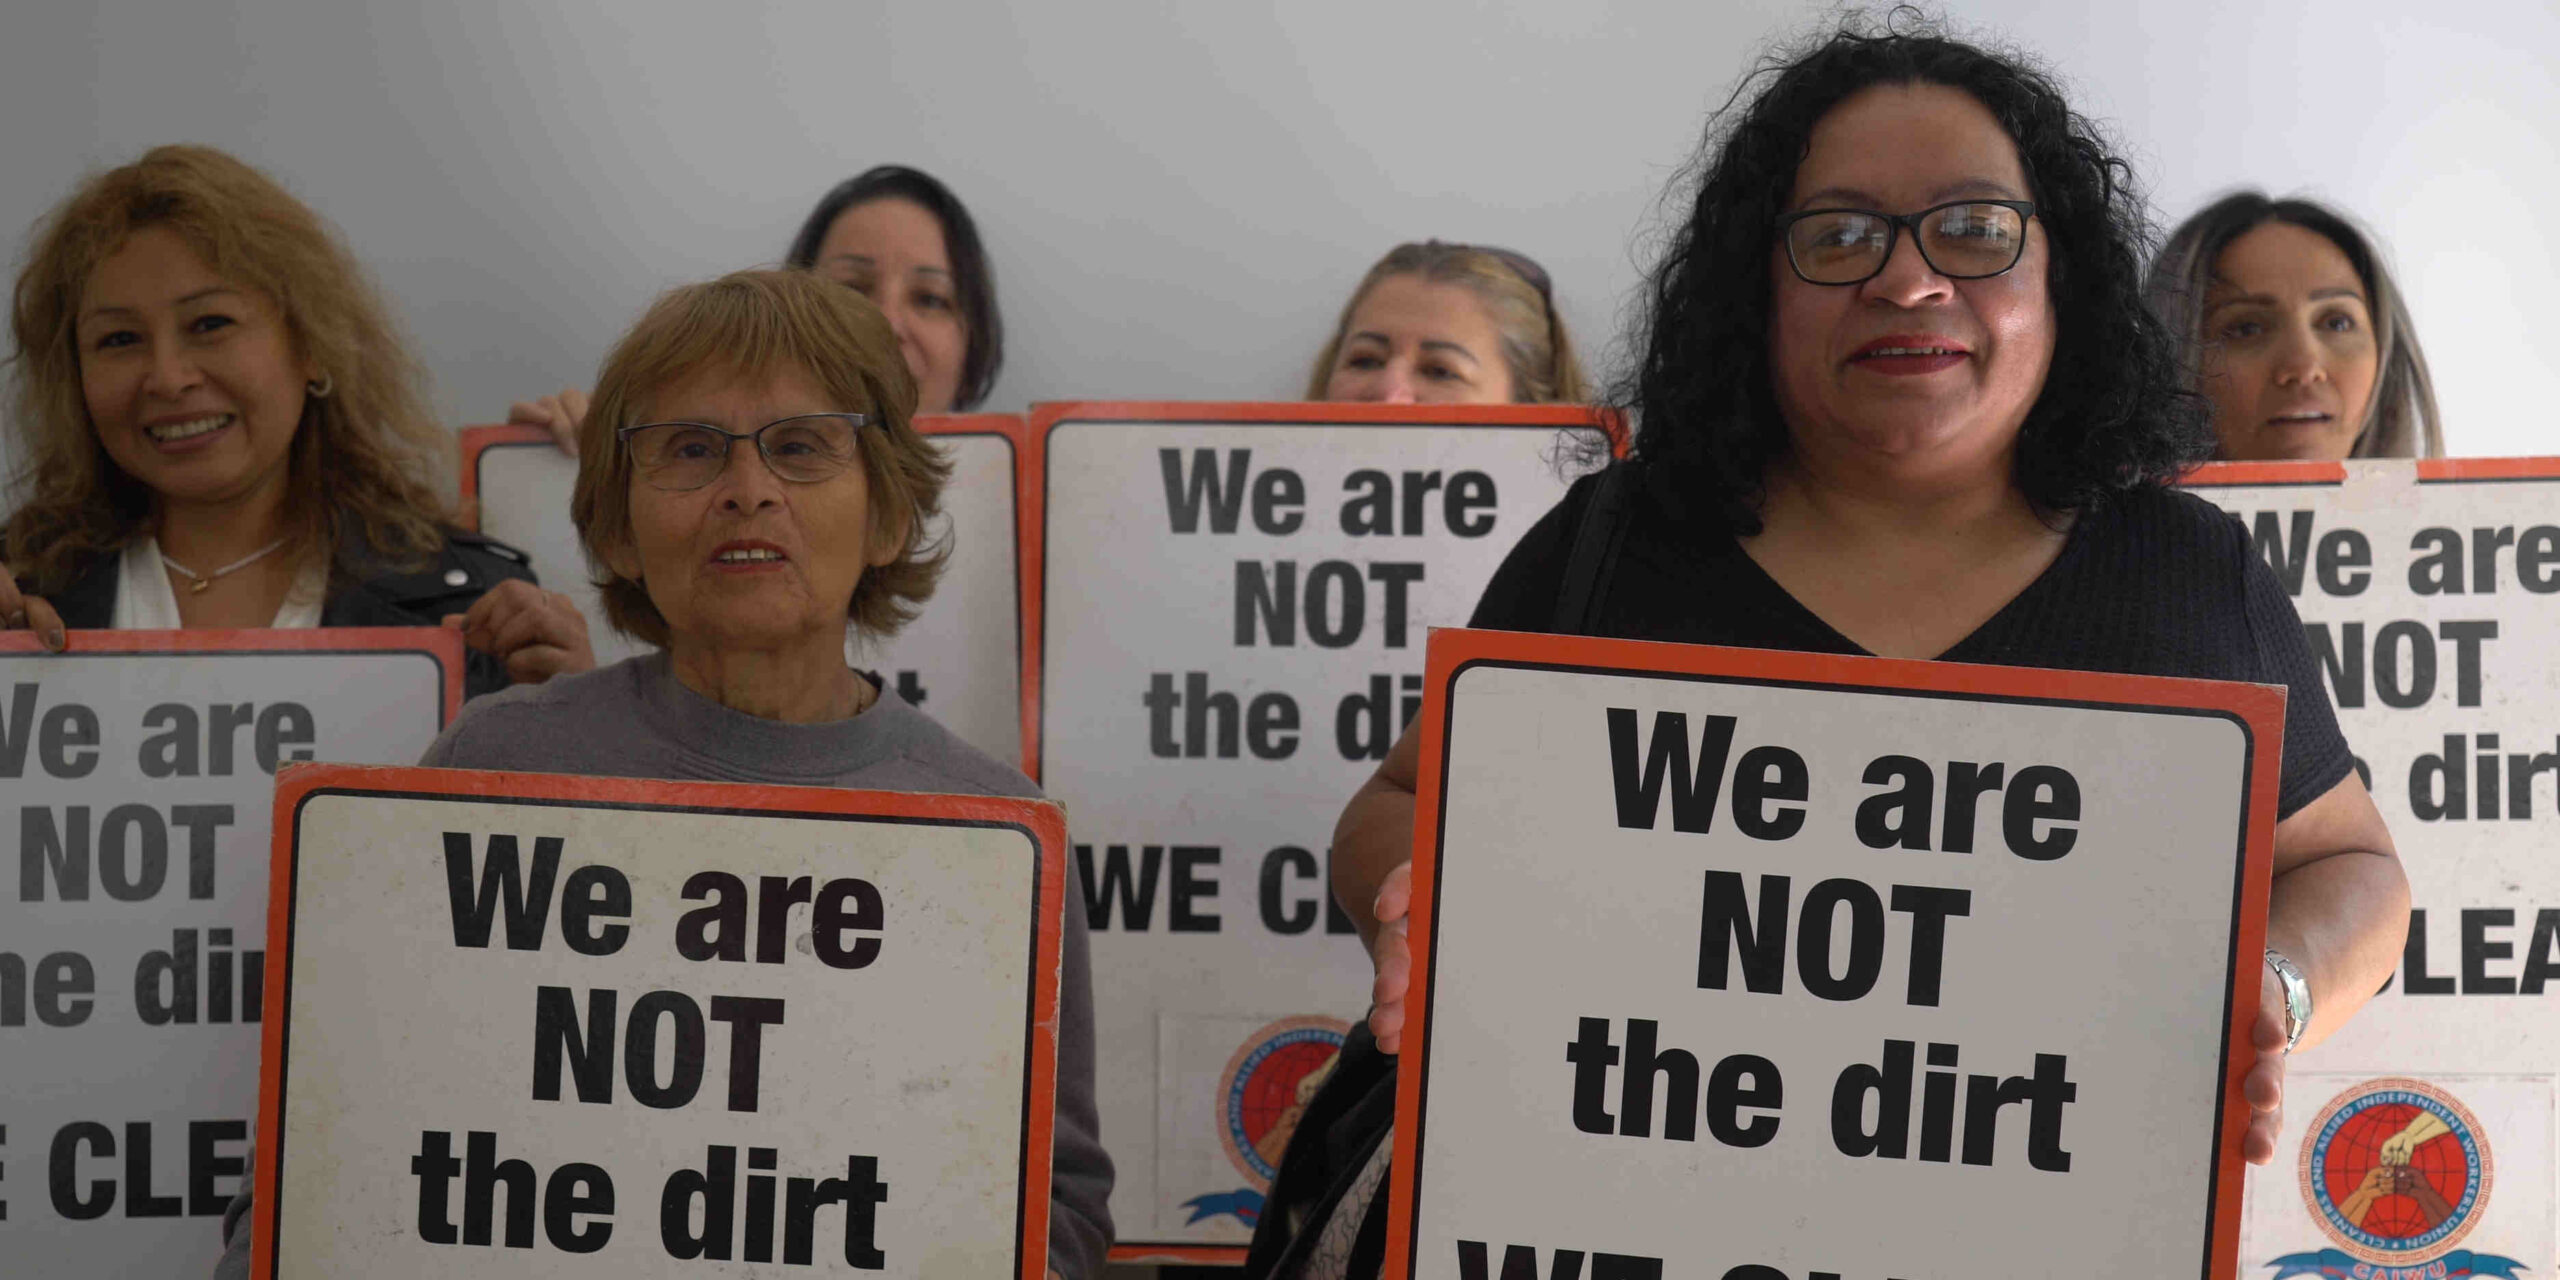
(2290, 356)
(1411, 341)
(892, 250)
(1909, 371)
(750, 561)
(191, 380)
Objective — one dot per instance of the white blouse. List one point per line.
(144, 601)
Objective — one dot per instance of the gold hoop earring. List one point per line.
(320, 389)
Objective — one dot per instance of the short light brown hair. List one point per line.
(368, 458)
(1544, 367)
(756, 325)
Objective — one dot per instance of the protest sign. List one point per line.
(2430, 600)
(135, 787)
(1740, 964)
(960, 660)
(668, 1028)
(1232, 602)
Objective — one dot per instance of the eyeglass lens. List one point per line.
(1961, 241)
(689, 455)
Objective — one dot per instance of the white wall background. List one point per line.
(1177, 196)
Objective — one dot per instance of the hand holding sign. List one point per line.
(23, 611)
(537, 633)
(1393, 955)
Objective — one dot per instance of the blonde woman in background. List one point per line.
(2297, 334)
(1436, 323)
(223, 429)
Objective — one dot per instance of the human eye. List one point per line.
(1841, 230)
(115, 338)
(210, 322)
(1986, 223)
(933, 301)
(1442, 373)
(2340, 322)
(1362, 360)
(692, 444)
(2240, 330)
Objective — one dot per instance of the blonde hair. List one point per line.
(1516, 297)
(2400, 418)
(754, 325)
(366, 457)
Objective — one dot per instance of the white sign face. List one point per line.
(960, 660)
(680, 1025)
(2430, 596)
(1235, 613)
(135, 790)
(1740, 971)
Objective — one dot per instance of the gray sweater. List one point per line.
(635, 720)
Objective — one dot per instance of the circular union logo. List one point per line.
(2393, 1168)
(1269, 1082)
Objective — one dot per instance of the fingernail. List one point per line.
(56, 641)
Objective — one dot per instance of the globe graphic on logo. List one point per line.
(1268, 1084)
(1272, 1091)
(2357, 1148)
(2379, 1206)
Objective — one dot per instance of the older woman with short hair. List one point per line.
(749, 481)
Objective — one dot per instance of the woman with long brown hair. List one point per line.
(222, 428)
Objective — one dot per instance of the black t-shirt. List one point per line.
(2154, 582)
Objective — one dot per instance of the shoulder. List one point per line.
(464, 568)
(2182, 544)
(925, 756)
(510, 729)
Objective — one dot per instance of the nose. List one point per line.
(1907, 279)
(173, 372)
(746, 485)
(2298, 359)
(1395, 384)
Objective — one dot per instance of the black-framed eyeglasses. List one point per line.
(1961, 240)
(803, 449)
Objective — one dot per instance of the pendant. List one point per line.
(198, 586)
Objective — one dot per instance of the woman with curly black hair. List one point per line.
(1900, 396)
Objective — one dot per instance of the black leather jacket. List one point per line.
(363, 593)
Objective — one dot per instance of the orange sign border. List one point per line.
(443, 644)
(2238, 475)
(2259, 708)
(1042, 820)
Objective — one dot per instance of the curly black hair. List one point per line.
(2115, 412)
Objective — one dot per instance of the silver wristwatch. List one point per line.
(2297, 998)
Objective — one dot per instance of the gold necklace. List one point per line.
(198, 582)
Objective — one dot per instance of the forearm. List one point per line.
(2342, 918)
(1375, 834)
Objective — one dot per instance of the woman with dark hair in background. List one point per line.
(223, 429)
(1899, 395)
(2296, 333)
(1437, 323)
(900, 238)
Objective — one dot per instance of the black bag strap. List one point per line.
(1595, 552)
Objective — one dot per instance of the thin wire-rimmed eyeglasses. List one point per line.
(803, 449)
(1961, 240)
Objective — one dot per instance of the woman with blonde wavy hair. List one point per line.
(1439, 323)
(221, 428)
